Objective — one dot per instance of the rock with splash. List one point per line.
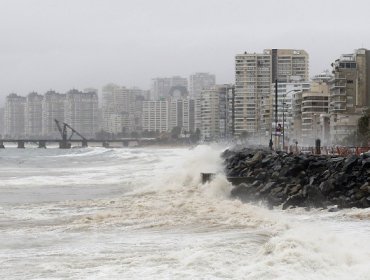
(288, 180)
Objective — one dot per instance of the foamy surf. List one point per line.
(144, 213)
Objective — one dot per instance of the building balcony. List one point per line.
(338, 109)
(338, 85)
(337, 94)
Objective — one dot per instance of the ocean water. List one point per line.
(142, 213)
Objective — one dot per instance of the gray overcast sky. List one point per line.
(61, 44)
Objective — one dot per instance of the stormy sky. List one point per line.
(64, 44)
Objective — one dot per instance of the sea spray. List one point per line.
(142, 213)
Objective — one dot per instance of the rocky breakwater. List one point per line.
(289, 180)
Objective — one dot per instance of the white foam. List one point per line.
(154, 219)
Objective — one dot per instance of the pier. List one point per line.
(66, 140)
(43, 143)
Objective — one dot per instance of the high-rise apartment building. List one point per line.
(210, 114)
(289, 65)
(155, 116)
(33, 115)
(1, 122)
(122, 109)
(181, 114)
(14, 115)
(349, 93)
(315, 104)
(289, 99)
(165, 87)
(52, 109)
(81, 112)
(197, 83)
(215, 112)
(135, 108)
(187, 106)
(115, 100)
(254, 78)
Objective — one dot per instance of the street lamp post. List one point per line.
(276, 113)
(339, 119)
(283, 124)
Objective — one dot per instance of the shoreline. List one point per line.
(289, 180)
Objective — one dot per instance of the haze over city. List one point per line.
(77, 44)
(192, 139)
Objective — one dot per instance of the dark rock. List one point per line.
(276, 190)
(316, 164)
(261, 176)
(350, 185)
(350, 192)
(327, 186)
(277, 167)
(341, 178)
(333, 209)
(282, 180)
(295, 170)
(295, 200)
(349, 163)
(293, 189)
(313, 180)
(325, 175)
(299, 181)
(267, 160)
(315, 197)
(242, 189)
(256, 183)
(366, 154)
(365, 187)
(255, 159)
(336, 159)
(267, 187)
(364, 202)
(359, 195)
(365, 163)
(275, 175)
(284, 171)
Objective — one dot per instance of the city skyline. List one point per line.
(272, 93)
(131, 43)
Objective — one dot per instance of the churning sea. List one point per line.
(142, 213)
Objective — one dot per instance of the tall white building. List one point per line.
(254, 78)
(1, 122)
(52, 109)
(117, 123)
(314, 110)
(349, 94)
(135, 108)
(314, 105)
(114, 105)
(198, 82)
(165, 87)
(215, 112)
(81, 112)
(122, 109)
(181, 114)
(33, 115)
(155, 116)
(210, 115)
(289, 98)
(14, 115)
